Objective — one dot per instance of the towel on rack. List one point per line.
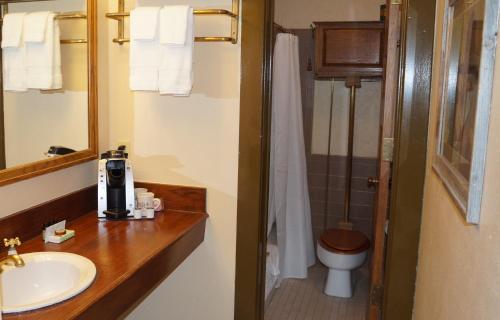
(173, 25)
(43, 58)
(13, 53)
(12, 30)
(144, 49)
(176, 64)
(35, 26)
(145, 23)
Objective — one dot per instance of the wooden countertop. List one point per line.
(131, 257)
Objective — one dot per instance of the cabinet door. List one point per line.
(346, 49)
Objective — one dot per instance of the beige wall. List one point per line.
(459, 265)
(301, 14)
(35, 121)
(188, 141)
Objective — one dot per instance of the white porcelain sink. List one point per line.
(46, 279)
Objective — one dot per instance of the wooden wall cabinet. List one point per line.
(349, 49)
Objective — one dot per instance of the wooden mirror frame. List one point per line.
(26, 171)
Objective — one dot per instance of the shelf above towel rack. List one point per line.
(120, 16)
(59, 16)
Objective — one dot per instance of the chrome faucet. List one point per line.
(12, 259)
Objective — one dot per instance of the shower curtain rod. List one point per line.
(279, 28)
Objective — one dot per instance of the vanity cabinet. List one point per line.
(345, 49)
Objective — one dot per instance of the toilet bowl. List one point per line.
(341, 251)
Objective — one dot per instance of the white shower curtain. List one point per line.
(289, 206)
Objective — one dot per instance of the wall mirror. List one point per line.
(49, 87)
(468, 57)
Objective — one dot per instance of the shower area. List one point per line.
(338, 119)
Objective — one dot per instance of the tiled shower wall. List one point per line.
(362, 199)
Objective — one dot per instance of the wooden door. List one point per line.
(389, 100)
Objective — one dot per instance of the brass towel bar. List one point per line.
(71, 15)
(233, 14)
(59, 16)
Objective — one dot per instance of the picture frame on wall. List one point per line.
(466, 86)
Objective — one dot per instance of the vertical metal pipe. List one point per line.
(327, 177)
(350, 145)
(121, 21)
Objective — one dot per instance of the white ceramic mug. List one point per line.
(139, 190)
(136, 192)
(147, 200)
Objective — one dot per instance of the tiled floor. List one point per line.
(304, 299)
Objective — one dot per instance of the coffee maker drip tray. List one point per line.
(116, 214)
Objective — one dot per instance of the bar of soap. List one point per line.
(60, 239)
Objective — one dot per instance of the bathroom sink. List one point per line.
(46, 279)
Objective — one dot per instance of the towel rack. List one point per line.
(59, 16)
(120, 16)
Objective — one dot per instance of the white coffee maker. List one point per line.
(115, 187)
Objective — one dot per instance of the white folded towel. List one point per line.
(43, 58)
(12, 30)
(173, 25)
(144, 23)
(13, 52)
(35, 26)
(144, 48)
(176, 65)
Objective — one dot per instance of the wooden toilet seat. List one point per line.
(344, 241)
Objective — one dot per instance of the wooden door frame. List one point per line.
(253, 166)
(388, 108)
(410, 150)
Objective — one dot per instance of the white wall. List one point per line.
(459, 265)
(300, 14)
(366, 122)
(188, 141)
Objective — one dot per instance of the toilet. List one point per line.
(341, 251)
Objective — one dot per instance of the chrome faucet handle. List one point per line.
(12, 243)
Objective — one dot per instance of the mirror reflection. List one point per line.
(464, 58)
(44, 109)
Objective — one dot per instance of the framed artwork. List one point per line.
(466, 85)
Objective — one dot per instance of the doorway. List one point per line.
(257, 49)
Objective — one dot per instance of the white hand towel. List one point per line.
(173, 25)
(13, 53)
(144, 49)
(35, 26)
(176, 65)
(43, 59)
(12, 30)
(144, 23)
